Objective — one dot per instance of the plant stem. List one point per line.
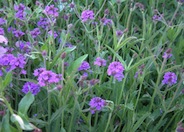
(49, 109)
(122, 88)
(157, 83)
(108, 122)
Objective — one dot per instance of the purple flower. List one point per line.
(2, 21)
(20, 11)
(55, 34)
(119, 33)
(157, 17)
(167, 54)
(1, 31)
(18, 62)
(116, 69)
(96, 104)
(106, 21)
(170, 78)
(2, 51)
(46, 77)
(181, 1)
(31, 87)
(18, 33)
(84, 66)
(100, 62)
(87, 15)
(43, 22)
(180, 127)
(35, 32)
(23, 46)
(51, 11)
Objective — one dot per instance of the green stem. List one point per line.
(140, 88)
(108, 122)
(157, 83)
(11, 111)
(49, 109)
(123, 85)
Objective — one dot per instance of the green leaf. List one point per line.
(73, 68)
(25, 103)
(140, 121)
(67, 50)
(24, 124)
(6, 127)
(6, 81)
(139, 63)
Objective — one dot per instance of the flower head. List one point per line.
(3, 39)
(43, 22)
(87, 15)
(84, 66)
(46, 77)
(96, 104)
(35, 32)
(31, 87)
(100, 62)
(116, 69)
(170, 78)
(51, 11)
(2, 21)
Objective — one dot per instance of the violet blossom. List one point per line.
(96, 104)
(31, 87)
(170, 78)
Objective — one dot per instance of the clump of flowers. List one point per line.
(43, 22)
(18, 33)
(10, 62)
(100, 62)
(84, 66)
(31, 87)
(20, 11)
(46, 77)
(51, 11)
(23, 46)
(87, 15)
(96, 104)
(3, 40)
(106, 21)
(116, 69)
(35, 32)
(170, 78)
(2, 21)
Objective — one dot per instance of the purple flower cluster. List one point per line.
(18, 33)
(23, 46)
(44, 23)
(35, 32)
(3, 40)
(100, 62)
(87, 15)
(20, 11)
(10, 62)
(2, 21)
(106, 21)
(119, 33)
(116, 69)
(157, 17)
(31, 87)
(46, 77)
(51, 11)
(1, 31)
(84, 66)
(96, 104)
(170, 78)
